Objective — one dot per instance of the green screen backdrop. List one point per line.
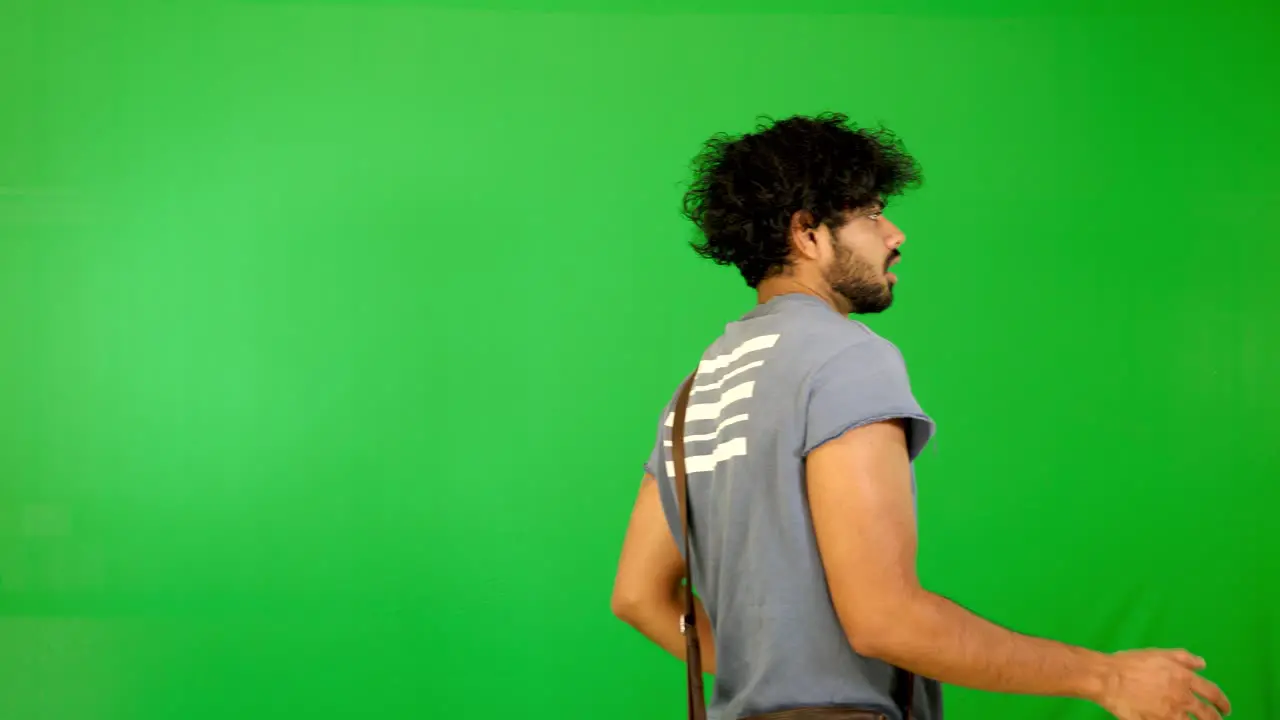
(333, 335)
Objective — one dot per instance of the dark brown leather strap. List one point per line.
(904, 682)
(688, 622)
(821, 713)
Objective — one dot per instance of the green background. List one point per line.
(333, 335)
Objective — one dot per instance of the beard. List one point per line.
(861, 283)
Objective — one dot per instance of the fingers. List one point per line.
(1200, 711)
(1211, 693)
(1186, 659)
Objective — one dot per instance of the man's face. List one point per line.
(863, 249)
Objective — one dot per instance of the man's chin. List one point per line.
(868, 299)
(872, 308)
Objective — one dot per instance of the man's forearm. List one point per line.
(660, 622)
(936, 638)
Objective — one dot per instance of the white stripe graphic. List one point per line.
(763, 342)
(712, 435)
(728, 376)
(713, 410)
(706, 463)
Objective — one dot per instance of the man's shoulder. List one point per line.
(802, 345)
(837, 339)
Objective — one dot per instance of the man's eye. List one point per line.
(875, 216)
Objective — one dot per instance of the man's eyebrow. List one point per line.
(867, 208)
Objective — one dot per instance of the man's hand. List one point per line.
(1161, 685)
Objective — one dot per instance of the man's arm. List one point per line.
(647, 592)
(864, 518)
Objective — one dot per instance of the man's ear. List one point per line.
(804, 235)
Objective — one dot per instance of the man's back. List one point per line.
(789, 376)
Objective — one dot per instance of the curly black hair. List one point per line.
(746, 189)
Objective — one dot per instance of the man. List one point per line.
(800, 435)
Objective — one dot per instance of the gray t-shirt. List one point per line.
(787, 377)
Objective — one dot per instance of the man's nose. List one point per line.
(896, 237)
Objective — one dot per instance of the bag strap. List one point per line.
(904, 685)
(904, 682)
(697, 699)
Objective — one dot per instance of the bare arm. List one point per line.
(863, 515)
(647, 589)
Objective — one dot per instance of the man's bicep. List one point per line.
(860, 498)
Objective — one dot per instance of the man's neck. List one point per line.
(771, 288)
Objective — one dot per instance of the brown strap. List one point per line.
(688, 622)
(904, 682)
(903, 691)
